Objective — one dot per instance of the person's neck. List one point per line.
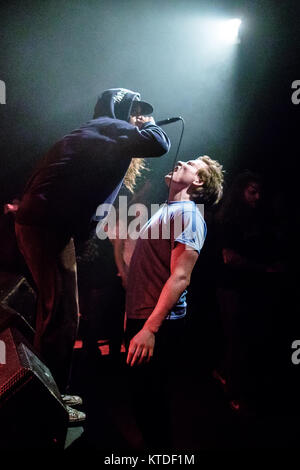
(182, 195)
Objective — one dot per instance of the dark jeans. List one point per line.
(50, 257)
(151, 383)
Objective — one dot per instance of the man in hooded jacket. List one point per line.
(84, 169)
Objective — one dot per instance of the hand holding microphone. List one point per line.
(139, 121)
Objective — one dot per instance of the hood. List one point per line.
(116, 103)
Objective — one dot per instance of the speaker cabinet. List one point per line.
(32, 414)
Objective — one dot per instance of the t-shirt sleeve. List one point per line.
(190, 229)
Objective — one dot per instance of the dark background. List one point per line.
(56, 57)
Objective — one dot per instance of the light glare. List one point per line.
(228, 31)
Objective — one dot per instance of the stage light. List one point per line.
(228, 31)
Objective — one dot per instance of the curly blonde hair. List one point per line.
(212, 176)
(135, 169)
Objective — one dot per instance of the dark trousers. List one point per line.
(151, 383)
(50, 257)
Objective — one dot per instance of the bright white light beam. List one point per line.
(228, 31)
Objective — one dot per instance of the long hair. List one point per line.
(135, 169)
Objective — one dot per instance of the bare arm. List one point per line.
(182, 263)
(119, 259)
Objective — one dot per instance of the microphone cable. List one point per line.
(177, 151)
(174, 162)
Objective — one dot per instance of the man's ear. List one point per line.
(195, 186)
(197, 183)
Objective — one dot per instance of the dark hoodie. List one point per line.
(86, 168)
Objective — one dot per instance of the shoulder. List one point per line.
(189, 212)
(107, 122)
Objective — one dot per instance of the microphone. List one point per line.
(168, 121)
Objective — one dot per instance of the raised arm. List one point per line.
(145, 139)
